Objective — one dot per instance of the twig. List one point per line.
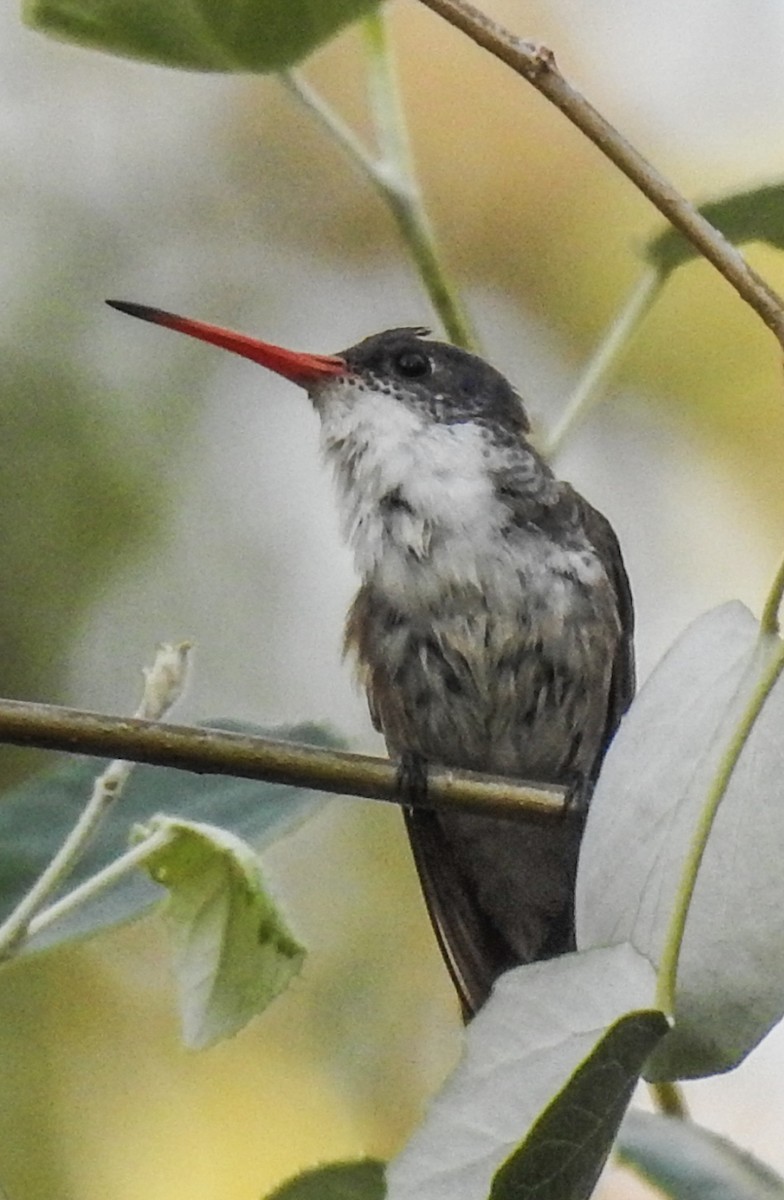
(215, 752)
(163, 683)
(340, 130)
(587, 393)
(537, 65)
(392, 173)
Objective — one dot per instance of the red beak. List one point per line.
(291, 364)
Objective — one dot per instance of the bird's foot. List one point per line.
(412, 778)
(578, 797)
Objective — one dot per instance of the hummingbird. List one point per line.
(492, 630)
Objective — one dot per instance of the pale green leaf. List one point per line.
(540, 1025)
(653, 786)
(687, 1162)
(232, 951)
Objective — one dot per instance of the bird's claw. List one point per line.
(412, 779)
(578, 797)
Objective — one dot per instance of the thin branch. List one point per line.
(340, 130)
(386, 106)
(537, 65)
(215, 752)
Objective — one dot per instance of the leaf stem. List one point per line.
(669, 1099)
(536, 64)
(163, 683)
(392, 172)
(587, 393)
(211, 751)
(768, 665)
(769, 621)
(99, 882)
(339, 129)
(386, 105)
(405, 195)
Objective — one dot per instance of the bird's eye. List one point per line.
(412, 364)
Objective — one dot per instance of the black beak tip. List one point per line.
(136, 310)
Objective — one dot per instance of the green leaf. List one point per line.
(644, 812)
(563, 1155)
(200, 35)
(755, 216)
(35, 818)
(540, 1027)
(689, 1163)
(232, 951)
(360, 1180)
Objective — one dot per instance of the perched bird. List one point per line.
(492, 629)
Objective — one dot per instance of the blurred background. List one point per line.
(152, 488)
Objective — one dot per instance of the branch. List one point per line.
(537, 65)
(215, 752)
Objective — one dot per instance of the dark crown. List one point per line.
(453, 385)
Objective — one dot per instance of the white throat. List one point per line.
(411, 490)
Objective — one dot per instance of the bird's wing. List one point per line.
(567, 509)
(472, 945)
(602, 537)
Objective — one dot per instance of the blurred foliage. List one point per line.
(73, 498)
(201, 35)
(683, 1161)
(362, 1180)
(36, 817)
(106, 1100)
